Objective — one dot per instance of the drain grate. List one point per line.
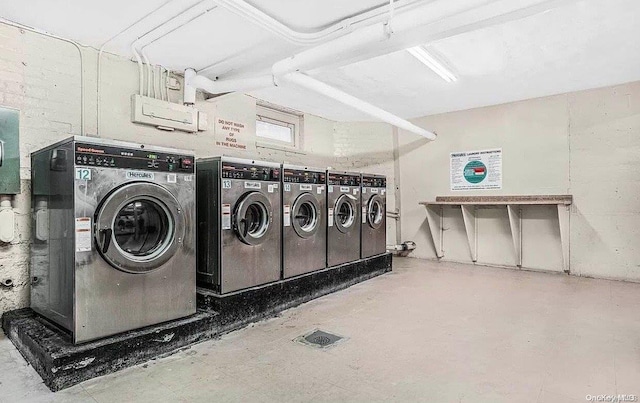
(319, 338)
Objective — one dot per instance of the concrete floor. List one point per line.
(425, 332)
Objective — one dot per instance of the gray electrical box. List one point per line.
(9, 151)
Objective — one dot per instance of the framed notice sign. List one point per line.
(471, 170)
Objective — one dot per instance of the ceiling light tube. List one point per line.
(423, 56)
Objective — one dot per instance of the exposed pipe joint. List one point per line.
(402, 249)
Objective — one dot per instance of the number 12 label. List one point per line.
(83, 174)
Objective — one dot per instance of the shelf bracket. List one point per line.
(434, 218)
(515, 223)
(469, 217)
(564, 212)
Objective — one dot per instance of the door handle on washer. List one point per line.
(245, 227)
(1, 152)
(106, 239)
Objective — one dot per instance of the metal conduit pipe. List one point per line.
(372, 37)
(438, 19)
(260, 18)
(145, 59)
(138, 45)
(193, 81)
(102, 48)
(223, 86)
(441, 19)
(310, 83)
(140, 69)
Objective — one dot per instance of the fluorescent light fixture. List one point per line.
(421, 54)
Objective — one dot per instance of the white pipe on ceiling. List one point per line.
(260, 18)
(223, 86)
(312, 84)
(441, 19)
(403, 33)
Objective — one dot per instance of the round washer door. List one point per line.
(305, 214)
(345, 213)
(375, 211)
(252, 218)
(139, 226)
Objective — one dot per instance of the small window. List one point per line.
(278, 127)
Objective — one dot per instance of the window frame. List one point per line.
(281, 117)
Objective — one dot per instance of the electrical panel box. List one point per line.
(163, 115)
(9, 151)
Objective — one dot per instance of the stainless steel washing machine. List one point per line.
(304, 222)
(114, 237)
(343, 217)
(239, 223)
(374, 215)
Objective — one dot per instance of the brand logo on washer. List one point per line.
(252, 185)
(140, 175)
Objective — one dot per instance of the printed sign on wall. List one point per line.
(231, 134)
(471, 170)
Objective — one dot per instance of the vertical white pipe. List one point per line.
(189, 91)
(149, 73)
(140, 68)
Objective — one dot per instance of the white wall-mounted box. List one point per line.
(164, 115)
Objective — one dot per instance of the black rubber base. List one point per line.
(62, 364)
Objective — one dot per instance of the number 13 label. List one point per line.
(83, 174)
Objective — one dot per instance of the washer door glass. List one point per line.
(345, 213)
(305, 215)
(142, 227)
(252, 218)
(138, 227)
(375, 212)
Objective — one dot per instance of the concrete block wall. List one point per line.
(40, 76)
(583, 143)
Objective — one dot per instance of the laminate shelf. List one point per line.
(514, 204)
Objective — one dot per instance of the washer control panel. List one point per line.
(343, 179)
(234, 170)
(301, 176)
(374, 181)
(132, 158)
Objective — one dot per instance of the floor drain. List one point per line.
(319, 338)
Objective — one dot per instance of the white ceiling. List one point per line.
(584, 44)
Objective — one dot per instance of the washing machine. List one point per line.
(114, 236)
(239, 223)
(343, 217)
(304, 222)
(374, 215)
